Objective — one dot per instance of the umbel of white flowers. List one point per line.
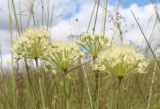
(121, 60)
(32, 44)
(93, 44)
(64, 55)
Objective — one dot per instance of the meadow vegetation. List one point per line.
(90, 72)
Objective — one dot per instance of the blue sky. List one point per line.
(72, 13)
(127, 3)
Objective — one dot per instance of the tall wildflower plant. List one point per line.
(120, 61)
(94, 44)
(63, 56)
(32, 45)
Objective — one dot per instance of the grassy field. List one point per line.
(20, 92)
(91, 72)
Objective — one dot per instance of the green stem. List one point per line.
(96, 90)
(118, 95)
(88, 88)
(119, 99)
(40, 86)
(41, 93)
(57, 90)
(30, 84)
(12, 64)
(15, 16)
(83, 97)
(66, 92)
(105, 18)
(91, 16)
(36, 60)
(14, 87)
(151, 88)
(95, 22)
(141, 91)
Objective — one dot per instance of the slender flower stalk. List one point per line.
(157, 53)
(88, 89)
(40, 84)
(151, 88)
(120, 61)
(30, 84)
(94, 44)
(32, 45)
(64, 56)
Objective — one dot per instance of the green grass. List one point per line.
(46, 90)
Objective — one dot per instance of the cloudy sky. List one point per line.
(65, 13)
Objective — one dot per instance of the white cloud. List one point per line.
(146, 16)
(6, 62)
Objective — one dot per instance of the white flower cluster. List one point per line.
(93, 44)
(64, 55)
(121, 60)
(32, 44)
